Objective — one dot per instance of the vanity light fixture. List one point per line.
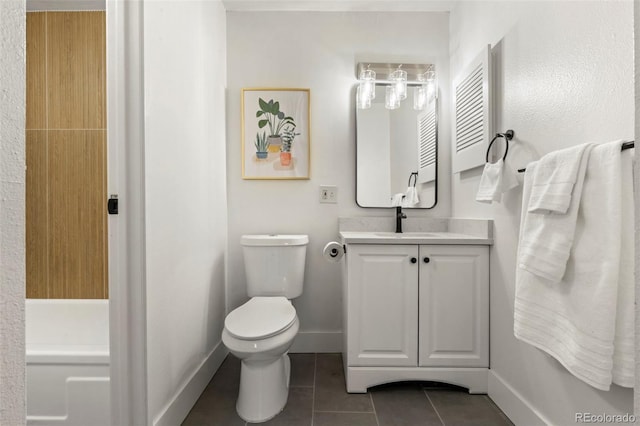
(396, 78)
(399, 80)
(368, 83)
(420, 95)
(366, 88)
(425, 92)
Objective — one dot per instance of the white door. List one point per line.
(382, 298)
(454, 306)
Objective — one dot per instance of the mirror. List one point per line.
(390, 146)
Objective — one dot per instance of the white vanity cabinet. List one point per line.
(383, 305)
(416, 312)
(453, 317)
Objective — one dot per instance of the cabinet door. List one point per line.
(454, 306)
(382, 303)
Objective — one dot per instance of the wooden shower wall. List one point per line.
(66, 156)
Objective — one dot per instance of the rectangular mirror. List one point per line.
(391, 144)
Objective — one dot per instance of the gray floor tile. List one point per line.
(217, 404)
(403, 404)
(302, 369)
(215, 409)
(461, 409)
(344, 419)
(331, 394)
(298, 410)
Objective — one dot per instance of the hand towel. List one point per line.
(556, 176)
(396, 199)
(496, 179)
(411, 197)
(547, 239)
(623, 355)
(575, 321)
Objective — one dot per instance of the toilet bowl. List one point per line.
(260, 333)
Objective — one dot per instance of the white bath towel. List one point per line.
(496, 179)
(410, 197)
(546, 239)
(396, 199)
(575, 321)
(555, 178)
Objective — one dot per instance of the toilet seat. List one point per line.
(260, 318)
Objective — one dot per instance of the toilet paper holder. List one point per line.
(334, 251)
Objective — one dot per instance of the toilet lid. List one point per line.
(260, 317)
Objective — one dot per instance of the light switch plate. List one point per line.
(328, 194)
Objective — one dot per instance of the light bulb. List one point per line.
(362, 101)
(419, 97)
(367, 83)
(431, 91)
(391, 100)
(432, 85)
(399, 79)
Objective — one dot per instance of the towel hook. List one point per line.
(508, 135)
(415, 181)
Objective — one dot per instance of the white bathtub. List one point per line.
(67, 362)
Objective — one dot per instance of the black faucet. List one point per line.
(399, 217)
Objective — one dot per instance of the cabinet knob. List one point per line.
(426, 260)
(414, 260)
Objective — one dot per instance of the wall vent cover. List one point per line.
(427, 138)
(472, 118)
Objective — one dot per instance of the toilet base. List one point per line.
(264, 388)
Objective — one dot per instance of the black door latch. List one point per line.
(112, 204)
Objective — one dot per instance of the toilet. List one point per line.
(261, 331)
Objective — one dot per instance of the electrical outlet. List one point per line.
(328, 194)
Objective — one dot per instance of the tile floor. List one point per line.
(317, 397)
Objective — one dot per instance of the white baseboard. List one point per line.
(317, 342)
(518, 409)
(185, 398)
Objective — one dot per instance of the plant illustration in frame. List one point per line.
(272, 120)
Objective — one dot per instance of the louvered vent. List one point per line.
(472, 109)
(469, 111)
(427, 138)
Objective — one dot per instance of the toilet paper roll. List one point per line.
(333, 251)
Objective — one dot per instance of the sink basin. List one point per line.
(407, 235)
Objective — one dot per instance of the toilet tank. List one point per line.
(274, 264)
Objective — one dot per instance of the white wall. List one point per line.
(564, 76)
(186, 211)
(636, 174)
(12, 211)
(317, 50)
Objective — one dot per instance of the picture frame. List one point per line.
(276, 139)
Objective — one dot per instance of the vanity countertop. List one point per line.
(375, 237)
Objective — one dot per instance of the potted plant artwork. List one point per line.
(288, 135)
(271, 116)
(262, 146)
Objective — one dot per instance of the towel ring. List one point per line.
(413, 174)
(508, 135)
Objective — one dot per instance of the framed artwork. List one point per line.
(275, 134)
